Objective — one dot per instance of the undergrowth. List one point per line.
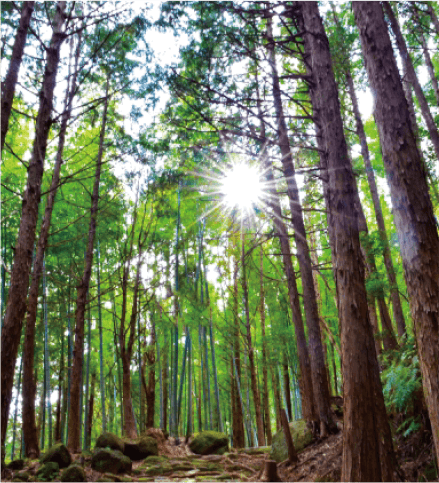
(402, 384)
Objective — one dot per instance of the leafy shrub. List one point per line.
(401, 380)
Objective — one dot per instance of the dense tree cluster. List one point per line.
(129, 279)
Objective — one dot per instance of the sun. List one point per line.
(242, 187)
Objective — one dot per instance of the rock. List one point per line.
(22, 476)
(302, 437)
(141, 448)
(57, 453)
(48, 471)
(153, 460)
(112, 461)
(73, 473)
(16, 465)
(209, 442)
(110, 440)
(157, 470)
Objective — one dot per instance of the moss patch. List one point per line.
(57, 453)
(209, 442)
(110, 440)
(302, 437)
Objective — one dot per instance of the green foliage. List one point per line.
(401, 384)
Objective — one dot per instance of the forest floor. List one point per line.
(321, 461)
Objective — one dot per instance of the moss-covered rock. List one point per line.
(109, 460)
(57, 453)
(16, 465)
(302, 437)
(22, 476)
(140, 448)
(158, 470)
(209, 442)
(48, 471)
(110, 440)
(73, 473)
(153, 460)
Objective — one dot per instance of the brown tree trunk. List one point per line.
(78, 351)
(251, 355)
(150, 389)
(407, 86)
(302, 349)
(237, 417)
(433, 16)
(319, 376)
(408, 66)
(265, 402)
(29, 389)
(427, 58)
(413, 211)
(89, 422)
(306, 389)
(8, 86)
(129, 428)
(396, 301)
(361, 446)
(16, 305)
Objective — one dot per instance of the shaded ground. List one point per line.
(321, 461)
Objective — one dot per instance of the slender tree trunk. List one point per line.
(60, 393)
(251, 356)
(238, 417)
(16, 306)
(89, 422)
(319, 376)
(8, 86)
(408, 65)
(413, 211)
(433, 16)
(265, 401)
(427, 58)
(150, 389)
(396, 301)
(361, 445)
(78, 352)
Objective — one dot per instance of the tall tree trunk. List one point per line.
(293, 295)
(237, 416)
(265, 402)
(413, 211)
(8, 86)
(408, 65)
(16, 306)
(361, 445)
(150, 389)
(251, 355)
(396, 301)
(90, 402)
(427, 58)
(319, 376)
(58, 435)
(29, 389)
(78, 351)
(433, 16)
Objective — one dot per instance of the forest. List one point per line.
(219, 241)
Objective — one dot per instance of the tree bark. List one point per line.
(427, 58)
(413, 211)
(396, 301)
(251, 356)
(8, 86)
(319, 376)
(29, 389)
(237, 416)
(16, 306)
(78, 351)
(150, 389)
(265, 401)
(361, 447)
(408, 65)
(433, 16)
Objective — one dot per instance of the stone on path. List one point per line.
(209, 442)
(302, 437)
